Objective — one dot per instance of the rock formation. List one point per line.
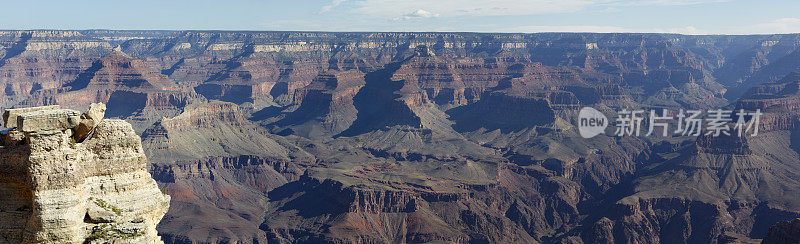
(58, 186)
(784, 232)
(416, 137)
(89, 120)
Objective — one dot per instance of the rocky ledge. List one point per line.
(784, 232)
(71, 177)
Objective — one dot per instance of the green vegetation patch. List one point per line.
(105, 205)
(111, 232)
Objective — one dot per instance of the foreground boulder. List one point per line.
(55, 189)
(48, 120)
(89, 120)
(10, 115)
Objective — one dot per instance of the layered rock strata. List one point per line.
(67, 177)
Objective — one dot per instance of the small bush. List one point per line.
(110, 232)
(107, 206)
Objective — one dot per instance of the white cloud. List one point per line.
(334, 3)
(779, 26)
(419, 14)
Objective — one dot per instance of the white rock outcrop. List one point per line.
(55, 189)
(89, 120)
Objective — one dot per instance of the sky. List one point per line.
(516, 16)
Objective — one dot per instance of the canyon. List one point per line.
(323, 137)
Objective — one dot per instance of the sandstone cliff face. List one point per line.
(59, 189)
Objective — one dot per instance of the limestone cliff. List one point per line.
(67, 177)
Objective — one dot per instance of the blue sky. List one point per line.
(670, 16)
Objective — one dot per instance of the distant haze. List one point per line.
(659, 16)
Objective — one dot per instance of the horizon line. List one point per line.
(450, 32)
